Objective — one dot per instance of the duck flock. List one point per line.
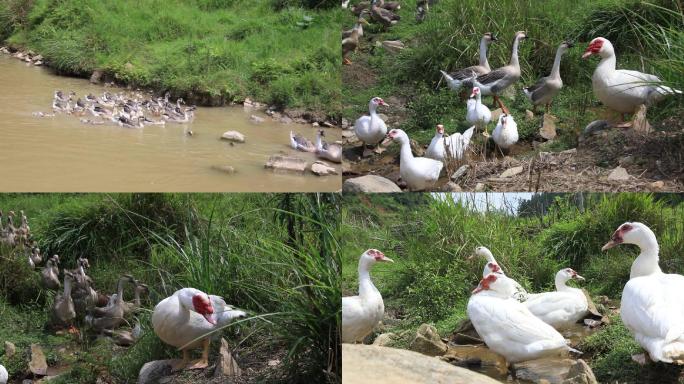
(521, 326)
(183, 320)
(623, 91)
(125, 110)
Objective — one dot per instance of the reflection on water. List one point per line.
(62, 154)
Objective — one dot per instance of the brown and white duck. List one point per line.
(383, 16)
(462, 77)
(63, 309)
(327, 151)
(50, 274)
(351, 43)
(543, 91)
(112, 315)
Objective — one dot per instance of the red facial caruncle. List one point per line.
(203, 306)
(377, 255)
(440, 129)
(594, 47)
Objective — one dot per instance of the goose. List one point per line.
(496, 81)
(364, 5)
(651, 306)
(301, 143)
(137, 302)
(358, 24)
(371, 129)
(63, 309)
(328, 151)
(35, 256)
(457, 79)
(507, 326)
(360, 314)
(622, 90)
(112, 315)
(4, 375)
(50, 275)
(543, 91)
(351, 42)
(519, 293)
(383, 16)
(563, 307)
(418, 172)
(505, 133)
(477, 113)
(83, 293)
(456, 144)
(182, 319)
(124, 338)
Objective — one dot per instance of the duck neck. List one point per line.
(607, 64)
(137, 297)
(555, 71)
(406, 153)
(514, 54)
(120, 287)
(67, 287)
(647, 262)
(319, 144)
(483, 54)
(366, 287)
(561, 284)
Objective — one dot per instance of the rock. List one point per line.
(462, 170)
(38, 364)
(479, 187)
(256, 119)
(248, 103)
(228, 169)
(451, 187)
(465, 333)
(286, 120)
(234, 136)
(657, 185)
(37, 58)
(510, 172)
(416, 148)
(346, 124)
(226, 366)
(348, 134)
(369, 184)
(286, 163)
(596, 126)
(591, 323)
(548, 128)
(10, 349)
(381, 365)
(393, 46)
(478, 355)
(618, 174)
(273, 363)
(529, 115)
(555, 371)
(384, 339)
(320, 168)
(152, 372)
(96, 76)
(427, 341)
(639, 122)
(626, 160)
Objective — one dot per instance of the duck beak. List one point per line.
(387, 141)
(210, 318)
(609, 245)
(578, 278)
(587, 53)
(385, 258)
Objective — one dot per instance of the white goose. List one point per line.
(360, 314)
(492, 266)
(505, 133)
(458, 79)
(4, 375)
(457, 144)
(182, 319)
(418, 172)
(620, 89)
(477, 113)
(371, 129)
(508, 327)
(652, 307)
(563, 307)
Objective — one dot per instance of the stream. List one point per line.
(62, 154)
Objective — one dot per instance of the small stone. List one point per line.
(510, 172)
(345, 124)
(226, 365)
(348, 134)
(451, 187)
(591, 323)
(427, 341)
(315, 124)
(462, 170)
(384, 339)
(38, 364)
(273, 363)
(154, 371)
(256, 119)
(369, 184)
(322, 169)
(10, 349)
(529, 115)
(234, 136)
(640, 123)
(618, 174)
(548, 128)
(626, 160)
(657, 185)
(286, 163)
(479, 187)
(96, 76)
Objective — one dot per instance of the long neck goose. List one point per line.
(453, 146)
(350, 43)
(360, 314)
(492, 266)
(36, 258)
(181, 320)
(477, 113)
(505, 134)
(496, 81)
(418, 172)
(301, 143)
(383, 16)
(457, 79)
(620, 89)
(651, 307)
(50, 276)
(563, 307)
(371, 129)
(508, 327)
(112, 315)
(543, 91)
(63, 310)
(328, 151)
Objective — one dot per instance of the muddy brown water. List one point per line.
(62, 154)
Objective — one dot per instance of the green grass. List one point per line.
(209, 52)
(449, 38)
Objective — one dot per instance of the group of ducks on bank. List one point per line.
(521, 326)
(12, 236)
(322, 149)
(624, 91)
(129, 111)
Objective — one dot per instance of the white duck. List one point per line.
(360, 314)
(418, 172)
(477, 113)
(181, 320)
(508, 327)
(457, 79)
(4, 375)
(652, 307)
(543, 91)
(496, 81)
(620, 89)
(563, 307)
(457, 144)
(371, 129)
(505, 133)
(492, 266)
